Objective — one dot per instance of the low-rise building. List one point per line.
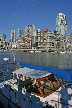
(69, 42)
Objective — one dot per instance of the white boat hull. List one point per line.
(62, 52)
(31, 51)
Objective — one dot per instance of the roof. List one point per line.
(31, 72)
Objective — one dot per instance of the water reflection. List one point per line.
(47, 59)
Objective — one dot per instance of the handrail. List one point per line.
(62, 103)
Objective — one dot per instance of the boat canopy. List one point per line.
(65, 74)
(32, 73)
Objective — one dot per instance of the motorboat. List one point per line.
(62, 52)
(31, 51)
(34, 87)
(37, 51)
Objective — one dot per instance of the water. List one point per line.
(47, 59)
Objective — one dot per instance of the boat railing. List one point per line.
(62, 103)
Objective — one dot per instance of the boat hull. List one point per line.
(6, 102)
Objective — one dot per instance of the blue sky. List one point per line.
(44, 14)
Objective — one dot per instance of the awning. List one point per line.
(65, 74)
(32, 73)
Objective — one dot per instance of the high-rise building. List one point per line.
(69, 42)
(2, 42)
(20, 33)
(13, 35)
(3, 37)
(40, 37)
(30, 29)
(61, 24)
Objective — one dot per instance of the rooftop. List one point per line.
(31, 72)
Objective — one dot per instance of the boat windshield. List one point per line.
(54, 80)
(49, 84)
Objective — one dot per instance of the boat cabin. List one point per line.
(39, 83)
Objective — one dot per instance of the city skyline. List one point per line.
(44, 14)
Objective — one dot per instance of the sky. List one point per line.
(43, 16)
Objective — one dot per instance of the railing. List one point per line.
(61, 103)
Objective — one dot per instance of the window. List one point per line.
(45, 86)
(54, 81)
(34, 89)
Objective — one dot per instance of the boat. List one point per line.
(33, 86)
(37, 51)
(31, 51)
(62, 52)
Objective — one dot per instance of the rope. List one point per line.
(17, 8)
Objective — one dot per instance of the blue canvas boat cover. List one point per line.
(65, 74)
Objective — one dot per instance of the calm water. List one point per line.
(47, 59)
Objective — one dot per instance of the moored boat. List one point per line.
(31, 51)
(34, 87)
